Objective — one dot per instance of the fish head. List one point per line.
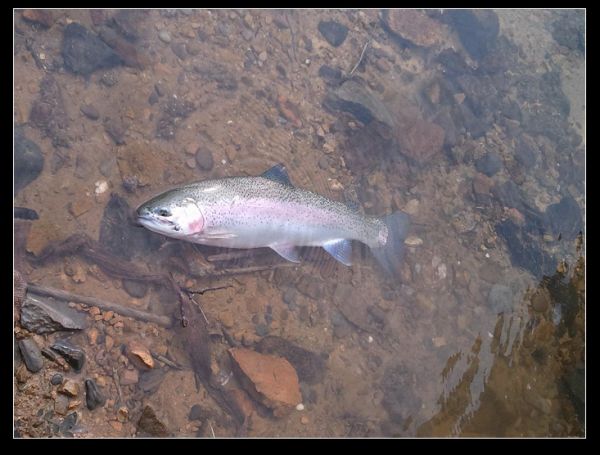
(172, 215)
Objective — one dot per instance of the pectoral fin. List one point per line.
(341, 250)
(289, 252)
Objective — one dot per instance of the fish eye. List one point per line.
(164, 212)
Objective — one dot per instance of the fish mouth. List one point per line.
(155, 224)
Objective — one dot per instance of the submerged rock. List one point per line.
(334, 32)
(413, 27)
(565, 218)
(269, 379)
(500, 298)
(48, 112)
(41, 315)
(477, 29)
(309, 365)
(489, 164)
(399, 399)
(32, 355)
(28, 160)
(84, 52)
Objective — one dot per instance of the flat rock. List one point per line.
(74, 355)
(90, 111)
(309, 366)
(399, 398)
(269, 379)
(419, 139)
(334, 32)
(94, 398)
(32, 355)
(137, 289)
(28, 160)
(331, 76)
(84, 52)
(500, 298)
(46, 315)
(139, 355)
(70, 388)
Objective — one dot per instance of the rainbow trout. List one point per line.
(268, 211)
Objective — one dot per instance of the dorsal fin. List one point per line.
(278, 174)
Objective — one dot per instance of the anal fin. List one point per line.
(340, 249)
(289, 252)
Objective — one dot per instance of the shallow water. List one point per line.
(471, 123)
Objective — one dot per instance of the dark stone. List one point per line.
(565, 218)
(45, 315)
(118, 234)
(377, 314)
(153, 99)
(331, 76)
(480, 93)
(93, 397)
(462, 116)
(84, 52)
(137, 289)
(454, 64)
(509, 195)
(217, 72)
(109, 78)
(290, 296)
(262, 329)
(32, 356)
(503, 55)
(204, 158)
(569, 30)
(90, 111)
(444, 119)
(23, 213)
(116, 129)
(48, 112)
(197, 412)
(179, 50)
(399, 399)
(151, 424)
(489, 164)
(124, 49)
(150, 380)
(309, 365)
(525, 251)
(28, 160)
(56, 379)
(68, 424)
(477, 30)
(334, 32)
(74, 355)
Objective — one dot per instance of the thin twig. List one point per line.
(211, 430)
(163, 321)
(166, 361)
(362, 54)
(118, 384)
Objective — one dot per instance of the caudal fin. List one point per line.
(390, 255)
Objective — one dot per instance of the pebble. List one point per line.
(129, 377)
(164, 36)
(413, 240)
(70, 388)
(56, 379)
(304, 420)
(299, 407)
(32, 355)
(247, 34)
(90, 111)
(61, 404)
(204, 158)
(84, 52)
(139, 355)
(541, 300)
(263, 56)
(93, 397)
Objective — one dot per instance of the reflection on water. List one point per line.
(472, 122)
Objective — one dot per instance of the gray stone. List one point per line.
(489, 164)
(41, 315)
(84, 52)
(334, 32)
(204, 158)
(164, 36)
(93, 396)
(32, 355)
(135, 289)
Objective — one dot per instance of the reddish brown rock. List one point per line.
(139, 355)
(241, 402)
(39, 16)
(289, 111)
(269, 379)
(415, 26)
